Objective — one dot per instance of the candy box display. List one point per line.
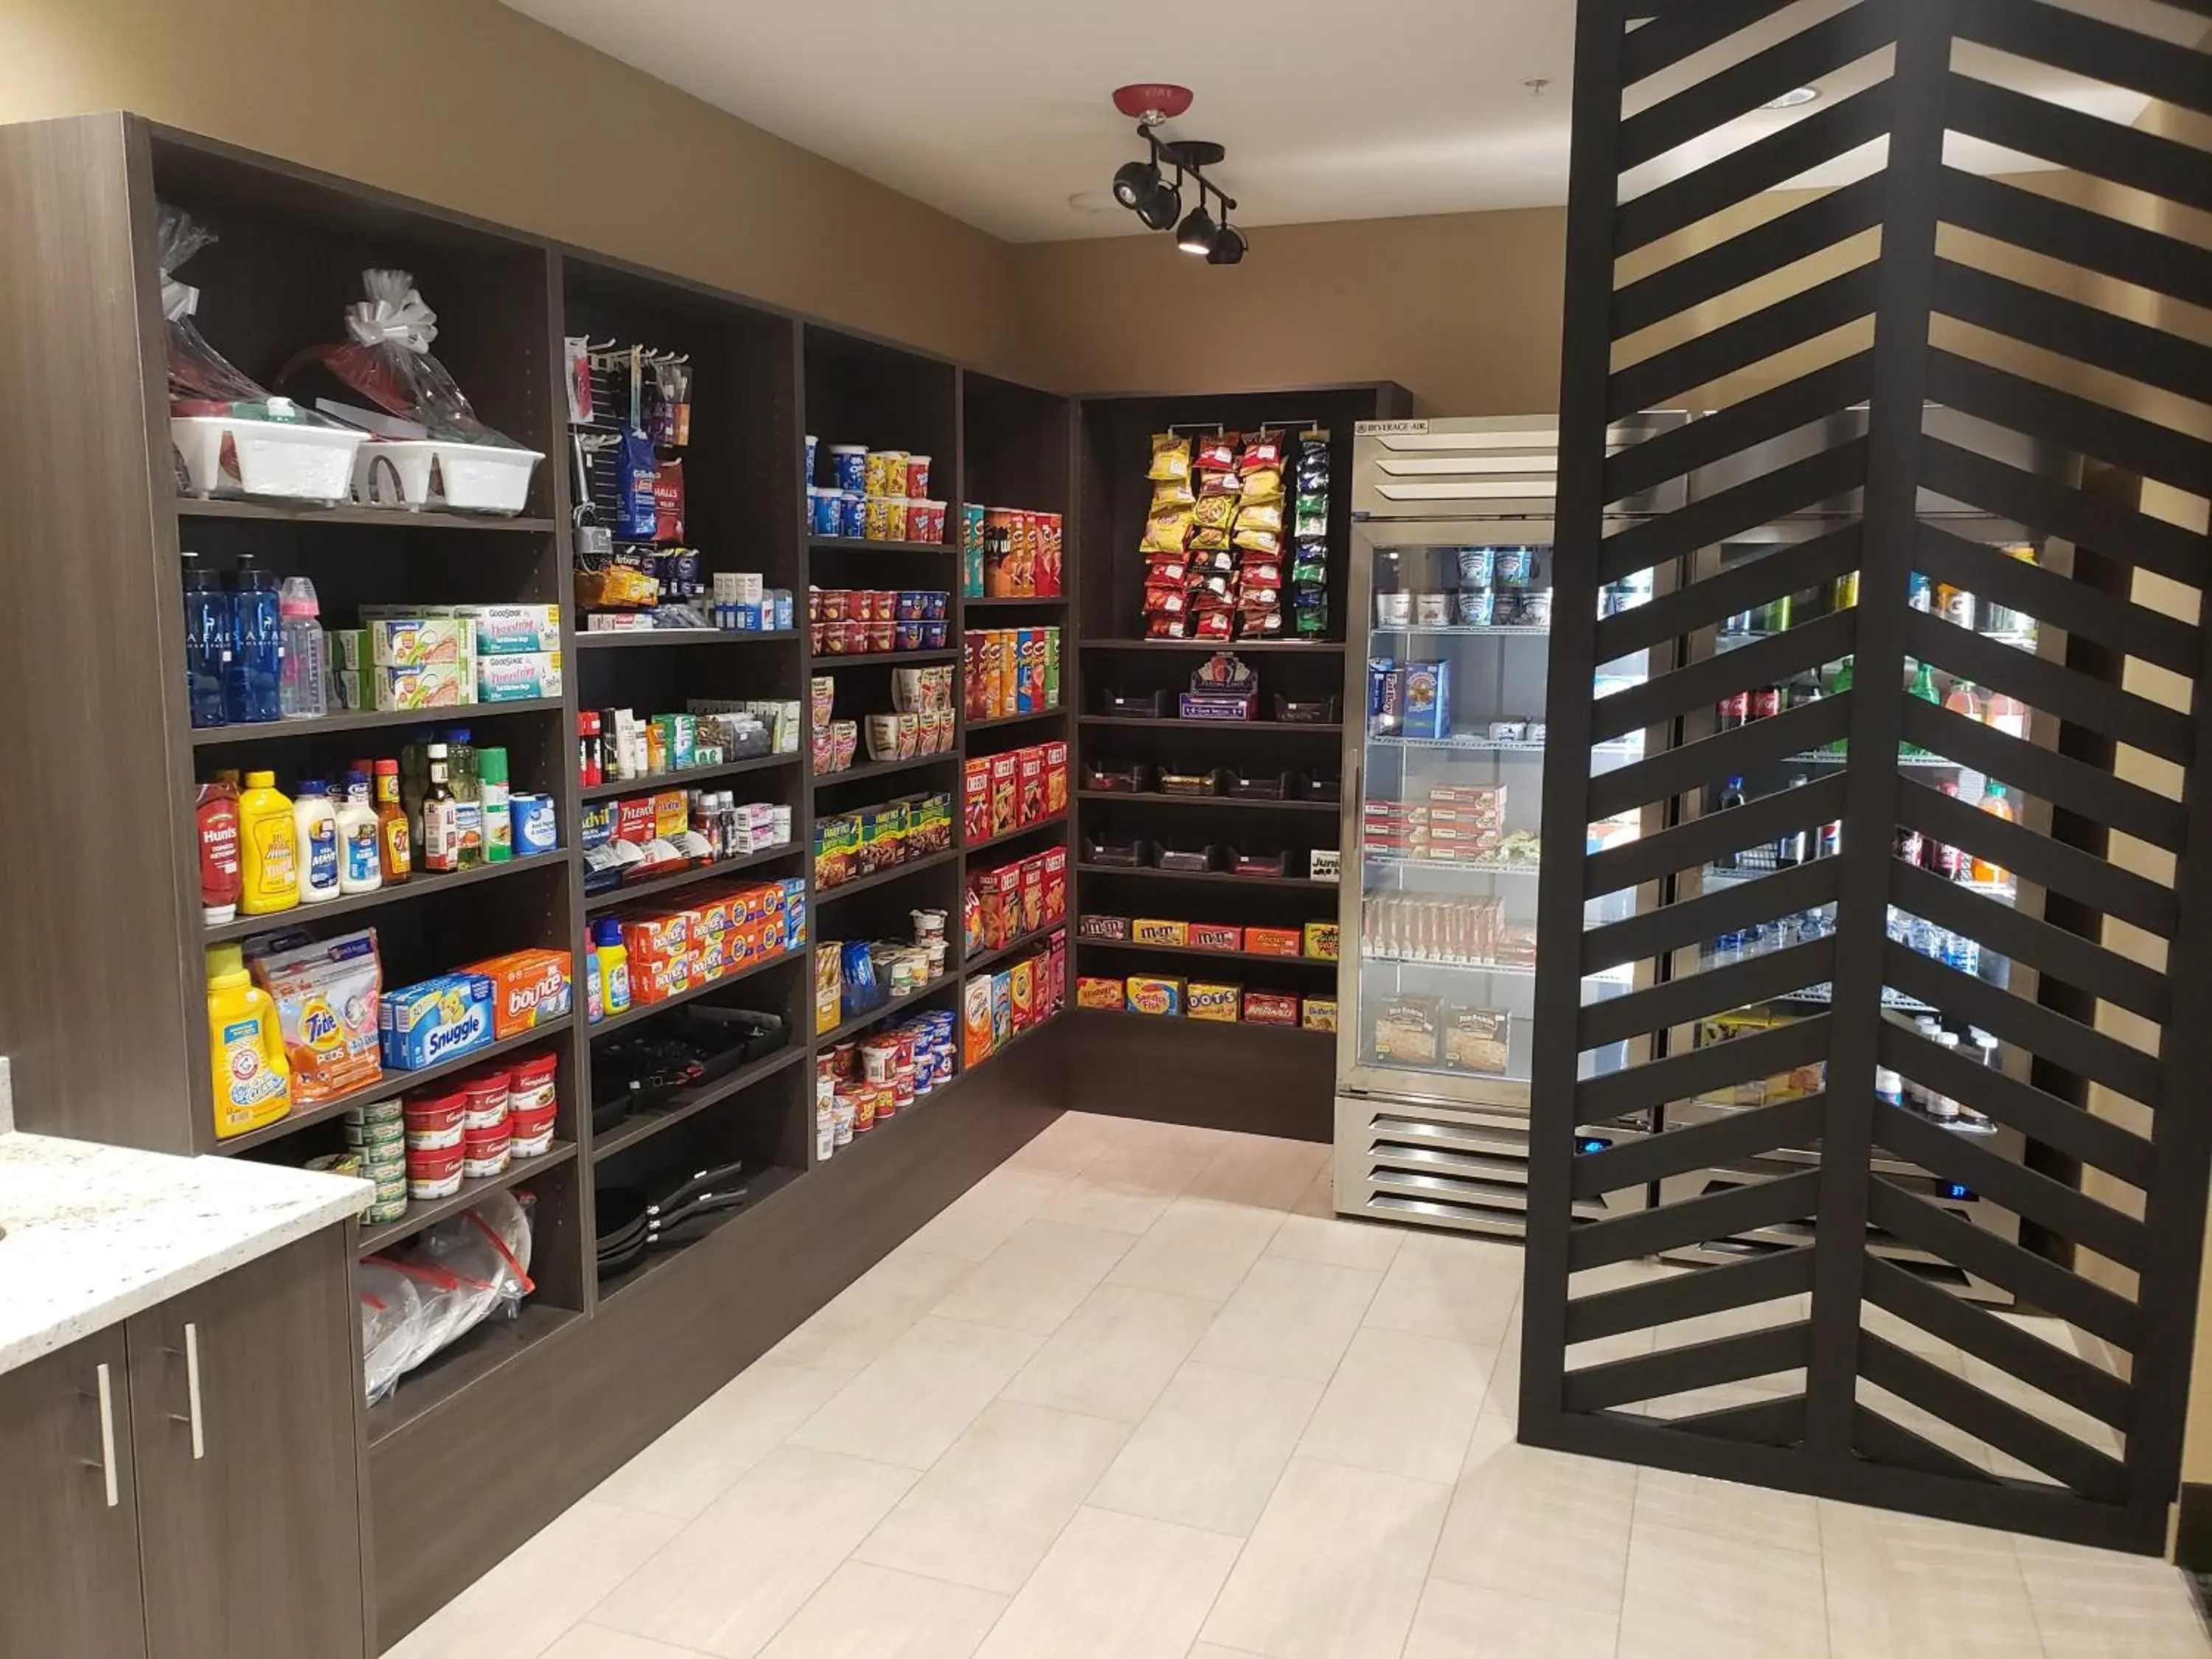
(1273, 941)
(1146, 930)
(1320, 940)
(529, 989)
(1318, 1014)
(1092, 991)
(1106, 927)
(1215, 1002)
(1270, 1008)
(1214, 936)
(434, 1020)
(1152, 993)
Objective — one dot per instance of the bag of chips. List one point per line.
(1171, 493)
(1217, 453)
(1261, 449)
(1258, 541)
(1262, 483)
(1213, 540)
(1260, 515)
(1170, 457)
(1166, 531)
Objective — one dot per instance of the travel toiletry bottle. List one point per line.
(252, 1079)
(315, 824)
(268, 848)
(361, 868)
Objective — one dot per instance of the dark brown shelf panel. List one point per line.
(1234, 803)
(897, 872)
(638, 1011)
(1030, 828)
(489, 1347)
(760, 1188)
(370, 719)
(1009, 600)
(830, 663)
(1013, 1042)
(1332, 727)
(890, 1010)
(689, 776)
(1317, 1038)
(391, 1084)
(983, 962)
(643, 1126)
(1154, 872)
(1317, 647)
(1015, 719)
(192, 506)
(423, 884)
(1328, 962)
(857, 544)
(632, 638)
(880, 769)
(669, 883)
(422, 1214)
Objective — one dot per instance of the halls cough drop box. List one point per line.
(430, 1023)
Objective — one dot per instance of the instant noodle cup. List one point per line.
(852, 517)
(885, 473)
(821, 509)
(925, 519)
(917, 475)
(850, 465)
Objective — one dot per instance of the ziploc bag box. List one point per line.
(418, 641)
(515, 678)
(435, 1020)
(511, 631)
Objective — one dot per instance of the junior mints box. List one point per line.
(428, 1024)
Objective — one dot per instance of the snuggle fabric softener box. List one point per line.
(426, 1023)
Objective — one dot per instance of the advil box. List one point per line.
(529, 989)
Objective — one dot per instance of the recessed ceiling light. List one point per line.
(1793, 98)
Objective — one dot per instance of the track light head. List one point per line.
(1195, 233)
(1134, 183)
(1228, 247)
(1159, 208)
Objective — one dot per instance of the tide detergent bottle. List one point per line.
(252, 1079)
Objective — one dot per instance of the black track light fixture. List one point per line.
(1143, 188)
(1134, 183)
(1195, 233)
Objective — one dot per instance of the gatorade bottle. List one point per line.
(252, 1079)
(268, 848)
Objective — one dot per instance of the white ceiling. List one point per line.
(997, 111)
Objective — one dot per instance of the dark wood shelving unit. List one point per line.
(677, 880)
(891, 1009)
(1233, 802)
(422, 1212)
(997, 720)
(861, 770)
(1259, 957)
(1022, 832)
(1172, 723)
(1154, 872)
(983, 961)
(1019, 601)
(1208, 647)
(441, 1457)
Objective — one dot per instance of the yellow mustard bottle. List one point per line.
(252, 1079)
(268, 848)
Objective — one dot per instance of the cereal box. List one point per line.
(1215, 1002)
(1146, 930)
(529, 988)
(1055, 778)
(1092, 992)
(1055, 883)
(975, 1019)
(828, 985)
(1212, 936)
(1152, 993)
(1006, 783)
(434, 1021)
(1273, 941)
(1320, 940)
(1032, 869)
(1029, 776)
(1318, 1013)
(1022, 988)
(1270, 1008)
(1108, 928)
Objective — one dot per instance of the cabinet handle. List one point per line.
(107, 1437)
(192, 1391)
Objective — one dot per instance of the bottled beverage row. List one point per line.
(1953, 949)
(1976, 612)
(1998, 710)
(1803, 844)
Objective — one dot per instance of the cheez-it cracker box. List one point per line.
(1055, 778)
(1055, 883)
(976, 798)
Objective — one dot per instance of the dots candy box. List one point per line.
(435, 1020)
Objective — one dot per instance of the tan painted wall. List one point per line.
(469, 105)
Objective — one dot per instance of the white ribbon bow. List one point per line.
(393, 312)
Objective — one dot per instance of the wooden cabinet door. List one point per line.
(69, 1521)
(247, 1402)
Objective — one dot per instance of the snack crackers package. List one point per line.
(976, 798)
(975, 1019)
(1021, 990)
(1005, 794)
(1055, 778)
(1055, 883)
(1032, 869)
(1029, 765)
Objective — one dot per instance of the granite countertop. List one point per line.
(95, 1234)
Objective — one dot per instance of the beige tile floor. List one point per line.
(1139, 1395)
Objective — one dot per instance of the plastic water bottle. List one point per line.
(303, 683)
(207, 642)
(249, 681)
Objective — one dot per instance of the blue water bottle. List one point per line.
(250, 683)
(207, 643)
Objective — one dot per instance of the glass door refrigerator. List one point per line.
(1445, 751)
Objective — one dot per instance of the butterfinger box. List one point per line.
(529, 989)
(1318, 1014)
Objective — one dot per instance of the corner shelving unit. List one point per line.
(1227, 1066)
(105, 1019)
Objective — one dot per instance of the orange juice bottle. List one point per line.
(1994, 803)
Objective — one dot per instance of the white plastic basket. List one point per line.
(409, 474)
(265, 458)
